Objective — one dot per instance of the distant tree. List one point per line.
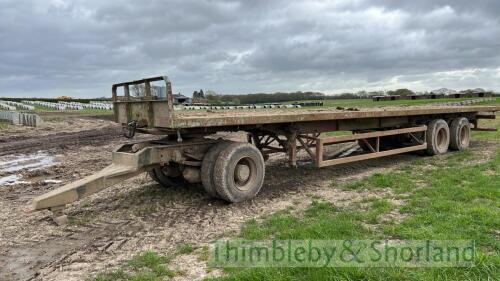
(138, 90)
(210, 92)
(403, 92)
(375, 93)
(198, 95)
(212, 97)
(347, 96)
(271, 98)
(362, 94)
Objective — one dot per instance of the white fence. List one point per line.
(18, 118)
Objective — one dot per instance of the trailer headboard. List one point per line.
(143, 104)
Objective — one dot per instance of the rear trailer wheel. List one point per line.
(207, 167)
(459, 133)
(239, 172)
(167, 176)
(437, 137)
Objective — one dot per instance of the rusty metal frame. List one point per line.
(483, 115)
(167, 112)
(264, 142)
(307, 141)
(374, 151)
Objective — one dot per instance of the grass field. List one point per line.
(3, 125)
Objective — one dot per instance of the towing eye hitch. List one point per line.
(129, 129)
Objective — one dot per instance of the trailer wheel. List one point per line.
(167, 176)
(459, 133)
(437, 137)
(207, 168)
(239, 172)
(152, 174)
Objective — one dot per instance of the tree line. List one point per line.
(214, 98)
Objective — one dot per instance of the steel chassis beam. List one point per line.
(314, 145)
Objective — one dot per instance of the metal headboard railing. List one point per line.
(147, 98)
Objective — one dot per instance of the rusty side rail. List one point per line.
(374, 151)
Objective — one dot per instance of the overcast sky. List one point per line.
(80, 47)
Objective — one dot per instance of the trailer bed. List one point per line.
(209, 118)
(149, 112)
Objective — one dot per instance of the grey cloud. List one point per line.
(81, 47)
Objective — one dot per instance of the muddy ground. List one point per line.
(110, 227)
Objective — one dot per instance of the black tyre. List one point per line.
(437, 137)
(207, 167)
(459, 133)
(167, 176)
(152, 174)
(239, 172)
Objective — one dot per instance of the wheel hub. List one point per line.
(464, 136)
(242, 173)
(441, 139)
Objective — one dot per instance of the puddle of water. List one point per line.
(22, 161)
(52, 181)
(11, 180)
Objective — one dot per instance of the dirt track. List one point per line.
(112, 226)
(64, 140)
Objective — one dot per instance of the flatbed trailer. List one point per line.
(234, 171)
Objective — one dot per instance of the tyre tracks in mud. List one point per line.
(20, 144)
(146, 216)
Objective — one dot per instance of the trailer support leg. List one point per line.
(292, 149)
